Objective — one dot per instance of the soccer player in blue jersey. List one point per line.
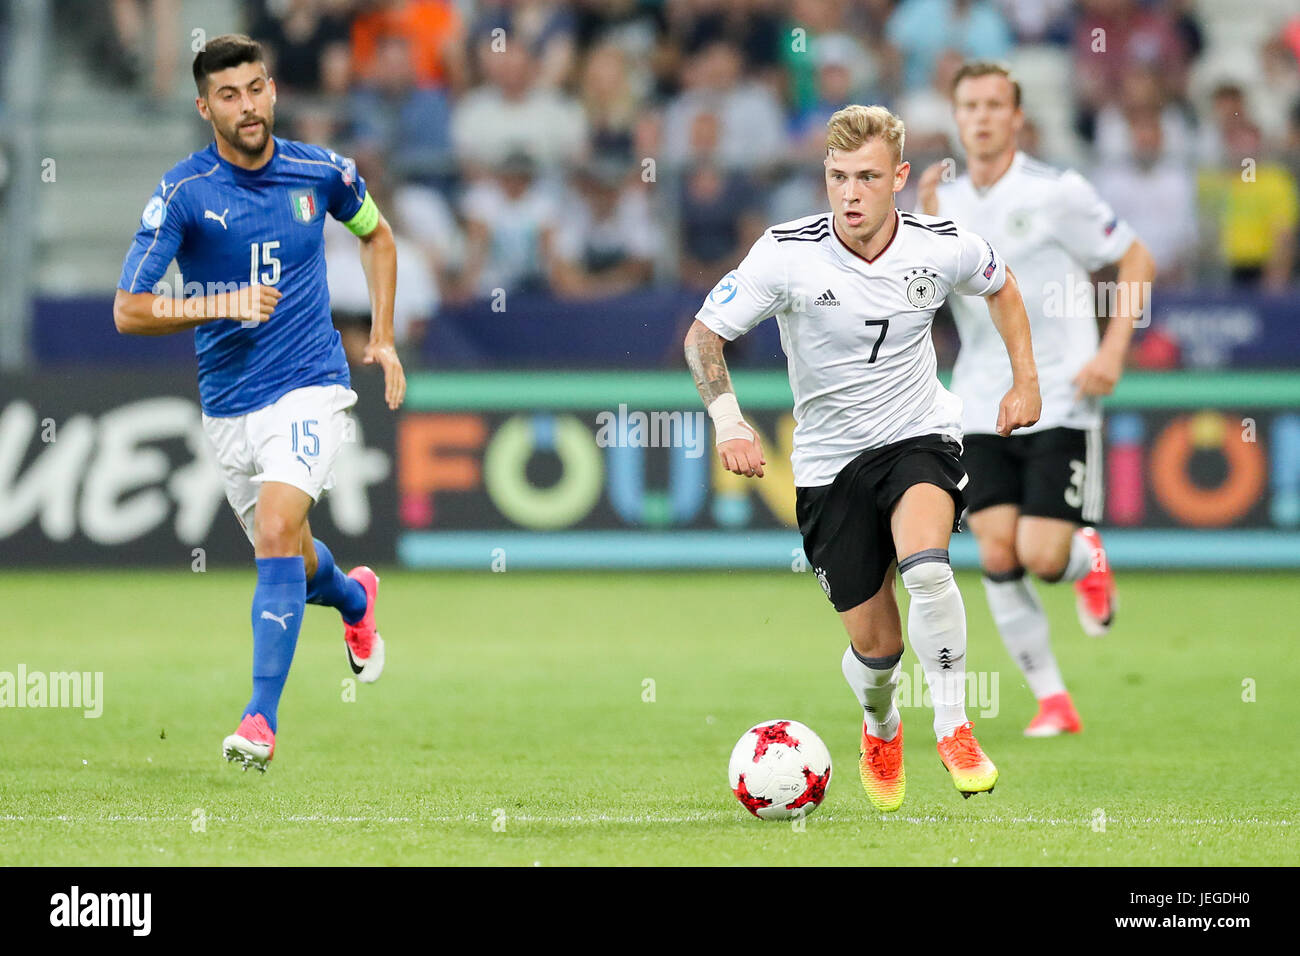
(243, 219)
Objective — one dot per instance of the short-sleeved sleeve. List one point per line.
(156, 242)
(346, 189)
(347, 198)
(748, 294)
(980, 270)
(1086, 225)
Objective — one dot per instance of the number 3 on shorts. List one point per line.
(1074, 493)
(312, 450)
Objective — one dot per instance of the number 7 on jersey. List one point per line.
(884, 329)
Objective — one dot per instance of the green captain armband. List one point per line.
(367, 217)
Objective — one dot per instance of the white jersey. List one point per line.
(1054, 230)
(856, 332)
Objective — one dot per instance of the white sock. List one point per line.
(936, 626)
(1080, 562)
(874, 680)
(1023, 625)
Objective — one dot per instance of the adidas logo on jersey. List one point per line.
(826, 298)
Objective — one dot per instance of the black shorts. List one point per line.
(845, 525)
(1055, 473)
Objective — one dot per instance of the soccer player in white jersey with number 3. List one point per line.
(1033, 498)
(877, 439)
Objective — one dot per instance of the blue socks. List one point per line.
(278, 604)
(332, 588)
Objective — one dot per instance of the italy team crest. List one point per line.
(303, 202)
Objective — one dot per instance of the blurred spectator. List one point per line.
(1038, 21)
(1111, 39)
(1142, 94)
(821, 23)
(921, 30)
(1227, 106)
(1156, 194)
(312, 123)
(719, 217)
(608, 240)
(802, 191)
(927, 112)
(509, 228)
(751, 129)
(510, 113)
(1279, 87)
(390, 115)
(1187, 26)
(638, 30)
(137, 45)
(432, 28)
(415, 299)
(546, 27)
(427, 218)
(753, 26)
(840, 79)
(1290, 154)
(611, 105)
(308, 42)
(1254, 205)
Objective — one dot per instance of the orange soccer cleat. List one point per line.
(1056, 715)
(1096, 600)
(880, 764)
(972, 771)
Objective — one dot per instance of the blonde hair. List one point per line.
(854, 125)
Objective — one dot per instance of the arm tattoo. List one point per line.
(708, 367)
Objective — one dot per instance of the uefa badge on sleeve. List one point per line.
(725, 290)
(303, 202)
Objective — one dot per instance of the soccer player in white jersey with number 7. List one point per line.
(877, 439)
(1033, 498)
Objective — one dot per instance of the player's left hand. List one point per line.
(1100, 375)
(1020, 408)
(394, 377)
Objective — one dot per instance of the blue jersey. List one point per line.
(233, 226)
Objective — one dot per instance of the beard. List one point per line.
(240, 142)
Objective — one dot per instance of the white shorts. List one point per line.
(295, 440)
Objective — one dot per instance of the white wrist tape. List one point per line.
(727, 421)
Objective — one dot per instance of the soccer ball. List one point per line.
(779, 769)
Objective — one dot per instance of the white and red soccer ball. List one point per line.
(780, 768)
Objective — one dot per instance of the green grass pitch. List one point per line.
(512, 727)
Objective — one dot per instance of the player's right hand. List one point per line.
(1020, 408)
(256, 303)
(743, 457)
(927, 190)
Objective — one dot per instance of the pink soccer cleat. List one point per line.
(253, 744)
(1056, 715)
(365, 648)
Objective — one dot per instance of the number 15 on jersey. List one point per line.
(264, 269)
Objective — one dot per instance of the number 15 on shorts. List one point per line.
(303, 440)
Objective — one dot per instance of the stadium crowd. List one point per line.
(593, 147)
